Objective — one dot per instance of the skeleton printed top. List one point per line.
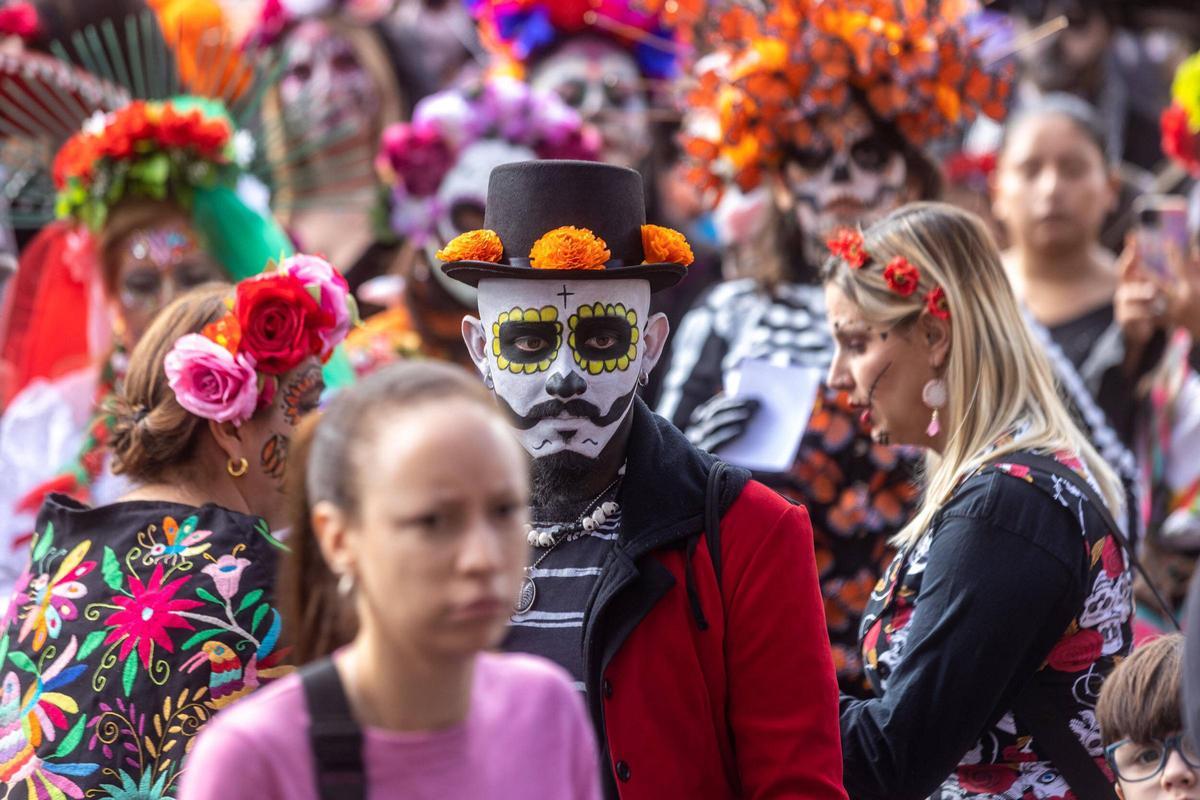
(1016, 551)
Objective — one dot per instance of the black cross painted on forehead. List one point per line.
(564, 294)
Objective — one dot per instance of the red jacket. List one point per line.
(727, 693)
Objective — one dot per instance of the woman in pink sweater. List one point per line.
(406, 558)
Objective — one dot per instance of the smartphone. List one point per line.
(1161, 227)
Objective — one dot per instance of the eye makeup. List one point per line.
(603, 337)
(526, 340)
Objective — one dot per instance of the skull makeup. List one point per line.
(325, 87)
(602, 82)
(461, 199)
(850, 175)
(564, 357)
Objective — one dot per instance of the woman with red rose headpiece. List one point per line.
(138, 620)
(137, 196)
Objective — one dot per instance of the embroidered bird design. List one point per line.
(229, 680)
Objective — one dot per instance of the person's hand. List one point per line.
(719, 421)
(1140, 304)
(1183, 291)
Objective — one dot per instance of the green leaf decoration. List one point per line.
(259, 613)
(249, 600)
(22, 661)
(264, 530)
(4, 648)
(200, 636)
(131, 662)
(43, 543)
(153, 170)
(89, 645)
(207, 595)
(111, 569)
(188, 526)
(72, 739)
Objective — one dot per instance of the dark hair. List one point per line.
(1077, 111)
(325, 465)
(153, 434)
(1141, 698)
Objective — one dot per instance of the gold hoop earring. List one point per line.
(239, 470)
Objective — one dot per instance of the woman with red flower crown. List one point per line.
(131, 189)
(1015, 532)
(137, 620)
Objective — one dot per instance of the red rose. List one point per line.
(280, 322)
(936, 304)
(847, 244)
(1114, 559)
(988, 778)
(1178, 140)
(901, 276)
(1077, 652)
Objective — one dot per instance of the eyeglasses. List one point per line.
(1141, 761)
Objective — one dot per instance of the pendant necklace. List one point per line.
(590, 521)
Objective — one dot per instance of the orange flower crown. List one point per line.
(900, 274)
(569, 247)
(770, 75)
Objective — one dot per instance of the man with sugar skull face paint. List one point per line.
(638, 539)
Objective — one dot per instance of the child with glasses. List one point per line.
(1140, 720)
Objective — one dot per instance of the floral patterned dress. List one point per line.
(133, 624)
(1005, 762)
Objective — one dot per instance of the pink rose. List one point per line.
(335, 300)
(211, 382)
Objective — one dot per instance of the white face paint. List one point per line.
(849, 176)
(603, 83)
(565, 357)
(462, 195)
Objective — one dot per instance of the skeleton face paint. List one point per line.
(603, 83)
(850, 175)
(565, 357)
(461, 198)
(325, 87)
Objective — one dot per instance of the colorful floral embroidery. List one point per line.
(131, 639)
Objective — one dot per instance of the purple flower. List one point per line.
(211, 382)
(418, 155)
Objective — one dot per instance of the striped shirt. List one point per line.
(565, 581)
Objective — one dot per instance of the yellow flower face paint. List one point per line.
(526, 340)
(603, 337)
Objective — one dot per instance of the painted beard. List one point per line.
(564, 358)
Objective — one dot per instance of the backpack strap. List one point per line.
(712, 514)
(334, 735)
(1054, 467)
(1035, 706)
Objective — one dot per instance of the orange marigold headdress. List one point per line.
(770, 75)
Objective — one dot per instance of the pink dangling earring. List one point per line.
(934, 397)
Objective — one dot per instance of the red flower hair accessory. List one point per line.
(21, 20)
(935, 303)
(847, 244)
(901, 276)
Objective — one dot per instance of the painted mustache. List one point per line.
(574, 408)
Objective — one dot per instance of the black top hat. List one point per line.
(528, 199)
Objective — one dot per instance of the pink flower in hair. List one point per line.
(210, 382)
(335, 298)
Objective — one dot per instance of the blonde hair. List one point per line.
(996, 375)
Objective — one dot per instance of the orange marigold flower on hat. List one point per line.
(569, 247)
(935, 303)
(480, 245)
(901, 276)
(847, 244)
(665, 246)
